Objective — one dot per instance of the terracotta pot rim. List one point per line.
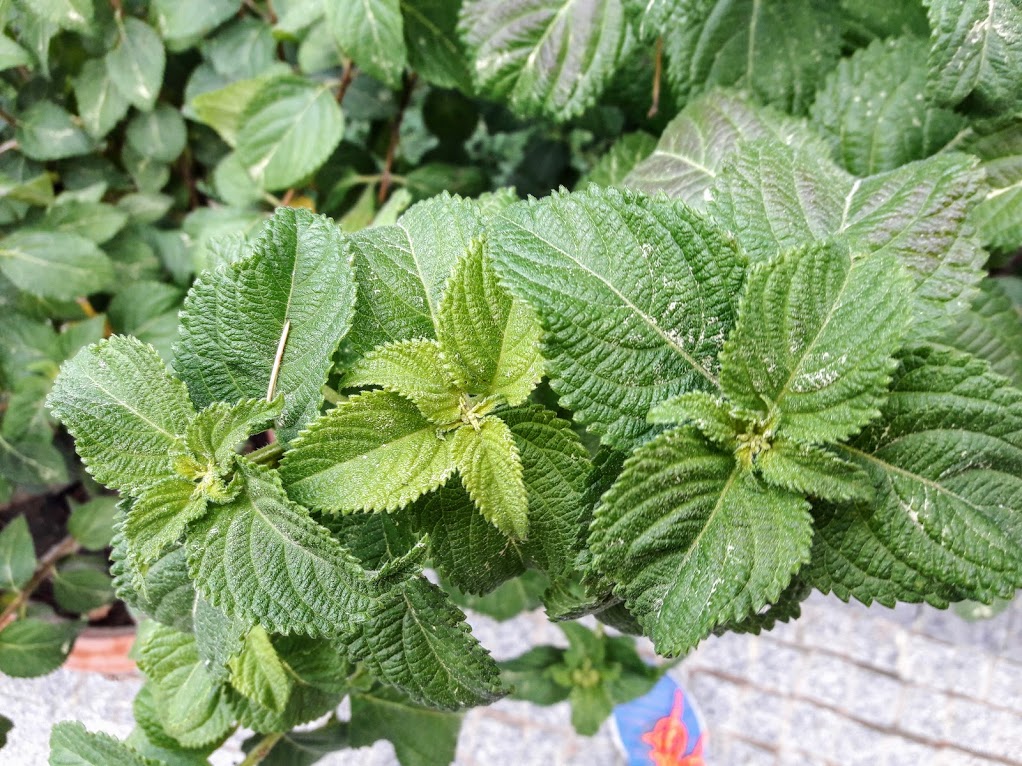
(100, 649)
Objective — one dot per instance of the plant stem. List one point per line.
(395, 137)
(658, 70)
(61, 550)
(9, 118)
(260, 751)
(267, 455)
(346, 77)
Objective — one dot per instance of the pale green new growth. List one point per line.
(218, 430)
(160, 515)
(716, 418)
(813, 471)
(491, 472)
(258, 673)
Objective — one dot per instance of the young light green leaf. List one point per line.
(375, 452)
(990, 330)
(946, 460)
(124, 410)
(680, 510)
(489, 340)
(779, 50)
(815, 339)
(418, 641)
(873, 110)
(12, 55)
(17, 554)
(47, 132)
(813, 471)
(218, 430)
(258, 673)
(100, 103)
(371, 33)
(298, 281)
(421, 736)
(31, 647)
(72, 745)
(288, 130)
(636, 296)
(544, 57)
(136, 65)
(160, 515)
(975, 50)
(54, 264)
(491, 471)
(324, 593)
(416, 370)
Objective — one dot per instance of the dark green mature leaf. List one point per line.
(297, 280)
(779, 50)
(72, 745)
(417, 640)
(421, 736)
(544, 57)
(991, 330)
(976, 50)
(635, 294)
(776, 198)
(81, 584)
(5, 728)
(814, 341)
(164, 592)
(874, 112)
(17, 554)
(137, 64)
(288, 130)
(54, 264)
(124, 410)
(148, 310)
(100, 104)
(32, 463)
(238, 552)
(520, 594)
(693, 540)
(946, 460)
(94, 221)
(371, 32)
(31, 647)
(374, 452)
(159, 134)
(47, 132)
(435, 50)
(998, 216)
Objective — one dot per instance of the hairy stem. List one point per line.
(267, 455)
(395, 137)
(260, 751)
(50, 559)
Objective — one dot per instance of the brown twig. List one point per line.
(658, 70)
(61, 550)
(116, 5)
(346, 77)
(285, 201)
(395, 137)
(9, 118)
(189, 179)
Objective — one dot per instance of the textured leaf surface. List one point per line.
(991, 330)
(491, 471)
(998, 216)
(815, 339)
(72, 745)
(490, 341)
(620, 159)
(374, 452)
(54, 264)
(692, 540)
(371, 32)
(976, 50)
(813, 471)
(946, 461)
(874, 112)
(125, 411)
(159, 516)
(299, 275)
(218, 430)
(258, 673)
(419, 641)
(636, 296)
(544, 57)
(261, 557)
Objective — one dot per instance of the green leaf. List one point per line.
(124, 410)
(218, 638)
(5, 728)
(998, 215)
(82, 584)
(72, 745)
(946, 461)
(866, 19)
(305, 748)
(288, 130)
(779, 50)
(874, 112)
(715, 417)
(530, 678)
(100, 104)
(182, 21)
(69, 14)
(435, 51)
(47, 132)
(159, 134)
(681, 510)
(12, 55)
(148, 310)
(34, 191)
(136, 65)
(31, 647)
(635, 294)
(491, 472)
(222, 109)
(258, 673)
(32, 463)
(298, 277)
(375, 452)
(190, 704)
(94, 221)
(402, 269)
(489, 340)
(371, 32)
(814, 342)
(786, 608)
(975, 50)
(218, 431)
(544, 57)
(813, 471)
(775, 198)
(619, 161)
(17, 554)
(164, 591)
(417, 640)
(990, 330)
(421, 736)
(236, 555)
(54, 264)
(520, 594)
(160, 515)
(416, 370)
(92, 523)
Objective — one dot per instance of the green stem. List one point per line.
(260, 751)
(267, 455)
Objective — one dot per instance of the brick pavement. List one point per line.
(843, 686)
